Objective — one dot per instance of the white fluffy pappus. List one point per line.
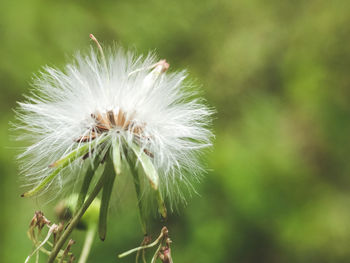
(128, 98)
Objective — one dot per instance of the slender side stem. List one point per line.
(52, 228)
(155, 242)
(156, 254)
(87, 244)
(76, 219)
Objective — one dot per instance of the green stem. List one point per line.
(87, 244)
(76, 219)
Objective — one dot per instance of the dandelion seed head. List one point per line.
(131, 98)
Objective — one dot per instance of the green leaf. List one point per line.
(106, 196)
(147, 166)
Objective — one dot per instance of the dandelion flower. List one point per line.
(120, 104)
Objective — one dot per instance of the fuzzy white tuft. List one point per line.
(164, 117)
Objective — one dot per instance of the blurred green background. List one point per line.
(277, 73)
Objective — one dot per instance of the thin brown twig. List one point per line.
(66, 251)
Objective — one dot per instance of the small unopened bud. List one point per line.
(63, 212)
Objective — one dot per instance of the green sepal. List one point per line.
(147, 166)
(82, 150)
(161, 205)
(87, 180)
(44, 182)
(64, 162)
(137, 185)
(106, 196)
(152, 175)
(116, 156)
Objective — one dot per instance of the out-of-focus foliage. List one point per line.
(277, 73)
